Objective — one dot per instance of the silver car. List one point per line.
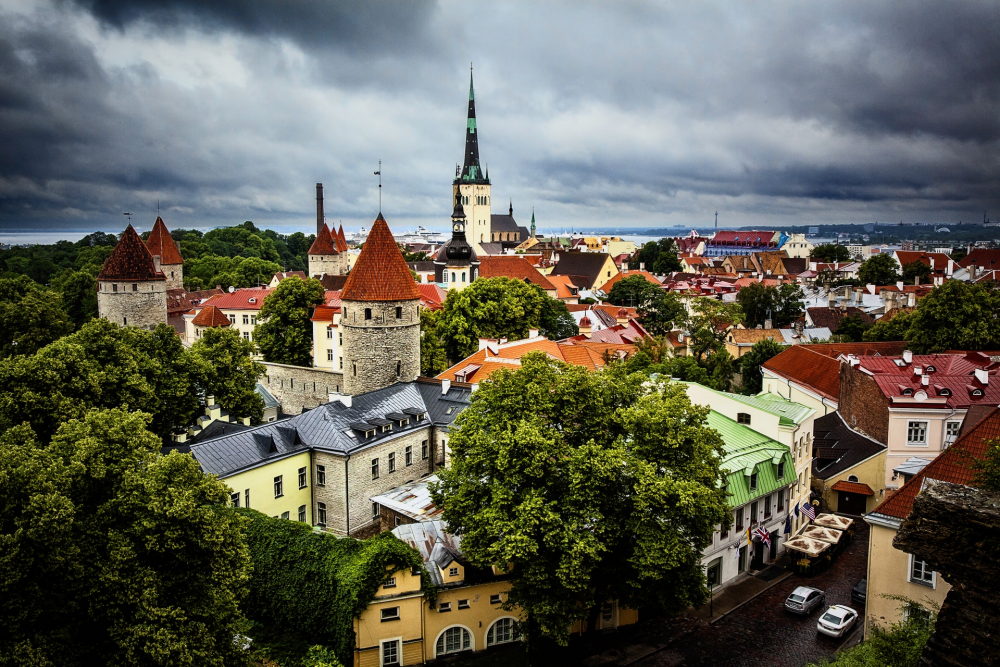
(836, 620)
(804, 599)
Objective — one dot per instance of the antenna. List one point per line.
(379, 174)
(716, 219)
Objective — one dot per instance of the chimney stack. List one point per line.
(320, 217)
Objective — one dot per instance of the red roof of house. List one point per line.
(130, 260)
(281, 275)
(952, 465)
(341, 240)
(886, 348)
(951, 379)
(983, 258)
(512, 266)
(324, 313)
(211, 316)
(380, 273)
(743, 238)
(431, 296)
(810, 369)
(938, 261)
(161, 243)
(241, 299)
(324, 243)
(650, 278)
(853, 487)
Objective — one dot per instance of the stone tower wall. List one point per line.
(174, 274)
(333, 265)
(374, 348)
(140, 304)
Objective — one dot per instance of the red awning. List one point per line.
(853, 487)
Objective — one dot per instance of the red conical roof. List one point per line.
(324, 243)
(130, 260)
(341, 240)
(211, 316)
(381, 273)
(160, 243)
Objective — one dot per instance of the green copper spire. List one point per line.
(532, 223)
(471, 171)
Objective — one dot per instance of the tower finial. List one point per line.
(379, 174)
(511, 209)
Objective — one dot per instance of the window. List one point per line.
(246, 498)
(741, 566)
(368, 313)
(781, 469)
(246, 319)
(340, 340)
(607, 612)
(753, 481)
(453, 276)
(329, 332)
(392, 461)
(951, 430)
(723, 531)
(742, 418)
(329, 354)
(234, 498)
(135, 287)
(852, 478)
(463, 276)
(246, 335)
(916, 433)
(114, 287)
(232, 319)
(374, 468)
(767, 507)
(739, 519)
(423, 450)
(375, 510)
(253, 320)
(320, 475)
(921, 573)
(389, 583)
(390, 653)
(443, 607)
(781, 501)
(302, 513)
(277, 487)
(399, 367)
(495, 599)
(321, 511)
(463, 604)
(284, 515)
(390, 613)
(502, 632)
(396, 521)
(302, 478)
(454, 640)
(399, 312)
(453, 572)
(915, 613)
(341, 364)
(355, 367)
(753, 512)
(409, 455)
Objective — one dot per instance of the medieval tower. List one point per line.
(164, 251)
(380, 316)
(131, 289)
(325, 256)
(473, 184)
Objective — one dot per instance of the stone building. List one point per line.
(161, 245)
(325, 258)
(131, 288)
(380, 317)
(456, 264)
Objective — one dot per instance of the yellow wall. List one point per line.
(871, 471)
(888, 574)
(260, 481)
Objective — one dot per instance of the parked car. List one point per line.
(860, 592)
(804, 599)
(836, 620)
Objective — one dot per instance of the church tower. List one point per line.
(131, 290)
(380, 316)
(456, 264)
(325, 256)
(472, 184)
(163, 249)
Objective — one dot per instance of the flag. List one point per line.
(764, 536)
(796, 509)
(736, 551)
(809, 511)
(788, 524)
(749, 535)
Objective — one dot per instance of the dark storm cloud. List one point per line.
(596, 113)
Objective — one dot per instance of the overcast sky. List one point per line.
(595, 114)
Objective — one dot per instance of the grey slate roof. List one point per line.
(490, 248)
(586, 264)
(839, 447)
(435, 544)
(269, 400)
(504, 223)
(328, 428)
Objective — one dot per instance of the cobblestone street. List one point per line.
(762, 633)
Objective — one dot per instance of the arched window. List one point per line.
(852, 478)
(454, 640)
(463, 276)
(503, 631)
(452, 276)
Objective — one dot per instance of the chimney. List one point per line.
(799, 327)
(624, 267)
(911, 299)
(983, 376)
(210, 401)
(320, 217)
(767, 323)
(445, 386)
(916, 281)
(532, 333)
(831, 299)
(483, 342)
(642, 266)
(156, 262)
(907, 357)
(899, 285)
(925, 380)
(503, 339)
(345, 399)
(779, 285)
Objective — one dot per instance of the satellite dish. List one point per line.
(231, 289)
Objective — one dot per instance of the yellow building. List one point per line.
(401, 627)
(279, 488)
(848, 467)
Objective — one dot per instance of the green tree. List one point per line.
(956, 316)
(488, 308)
(555, 321)
(284, 331)
(750, 363)
(988, 468)
(830, 252)
(958, 255)
(789, 304)
(916, 269)
(663, 313)
(758, 302)
(894, 328)
(79, 296)
(433, 359)
(599, 489)
(32, 318)
(710, 323)
(852, 329)
(228, 371)
(879, 269)
(113, 554)
(657, 256)
(634, 291)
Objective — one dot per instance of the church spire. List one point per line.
(471, 171)
(532, 223)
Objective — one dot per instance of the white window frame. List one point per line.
(932, 584)
(381, 651)
(472, 640)
(515, 636)
(383, 618)
(916, 443)
(948, 442)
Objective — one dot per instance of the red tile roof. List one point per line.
(160, 243)
(341, 240)
(431, 296)
(743, 238)
(650, 278)
(982, 258)
(938, 261)
(887, 348)
(324, 243)
(853, 487)
(952, 465)
(211, 316)
(807, 368)
(952, 380)
(324, 313)
(241, 299)
(512, 266)
(380, 273)
(130, 260)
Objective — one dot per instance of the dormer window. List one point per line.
(908, 391)
(753, 481)
(742, 418)
(929, 369)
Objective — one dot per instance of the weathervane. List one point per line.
(379, 174)
(129, 216)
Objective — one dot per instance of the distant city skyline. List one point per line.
(596, 116)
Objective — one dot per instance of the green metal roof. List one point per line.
(788, 412)
(746, 452)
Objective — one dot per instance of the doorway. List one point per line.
(851, 503)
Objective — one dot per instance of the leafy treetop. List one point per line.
(284, 329)
(879, 269)
(830, 252)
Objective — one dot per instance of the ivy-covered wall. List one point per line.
(316, 583)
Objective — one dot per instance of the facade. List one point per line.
(848, 467)
(380, 317)
(798, 246)
(472, 185)
(163, 249)
(740, 341)
(131, 288)
(591, 269)
(208, 317)
(726, 243)
(240, 307)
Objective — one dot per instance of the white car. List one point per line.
(836, 620)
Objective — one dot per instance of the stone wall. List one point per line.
(174, 274)
(298, 388)
(862, 404)
(333, 265)
(956, 529)
(382, 350)
(140, 304)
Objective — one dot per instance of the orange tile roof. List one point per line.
(161, 243)
(324, 313)
(324, 243)
(885, 349)
(936, 260)
(563, 285)
(130, 260)
(380, 273)
(606, 287)
(211, 316)
(341, 240)
(431, 296)
(512, 266)
(241, 299)
(952, 465)
(853, 487)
